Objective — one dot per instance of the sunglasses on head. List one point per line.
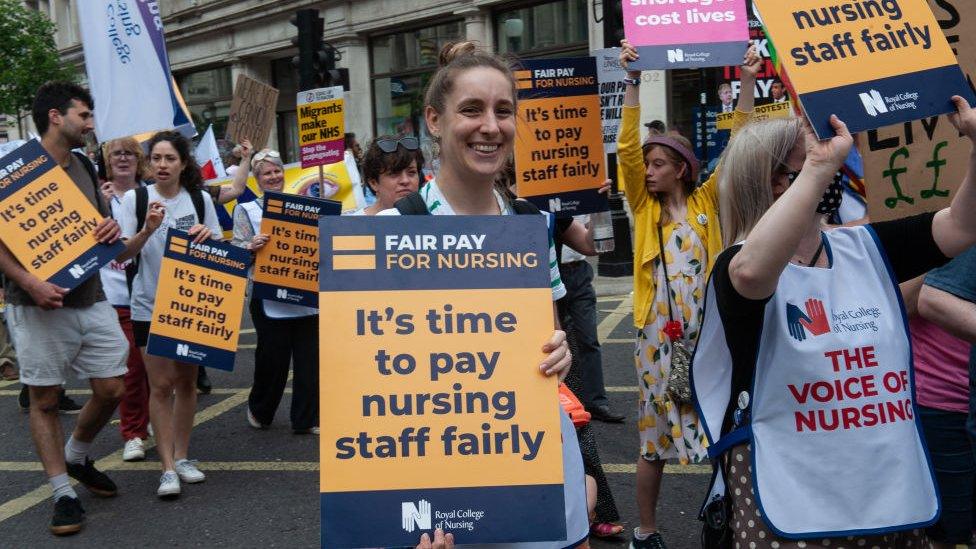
(267, 153)
(390, 145)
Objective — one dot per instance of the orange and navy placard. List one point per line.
(46, 222)
(873, 63)
(559, 161)
(286, 269)
(434, 412)
(199, 301)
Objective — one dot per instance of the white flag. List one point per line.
(128, 69)
(208, 157)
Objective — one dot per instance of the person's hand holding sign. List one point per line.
(559, 359)
(46, 295)
(964, 119)
(108, 231)
(441, 541)
(628, 53)
(200, 233)
(826, 156)
(257, 242)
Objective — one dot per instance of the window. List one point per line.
(284, 76)
(208, 95)
(402, 64)
(552, 29)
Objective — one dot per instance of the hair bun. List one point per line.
(453, 50)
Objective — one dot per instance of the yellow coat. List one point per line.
(702, 211)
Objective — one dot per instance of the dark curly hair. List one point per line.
(57, 95)
(376, 162)
(190, 177)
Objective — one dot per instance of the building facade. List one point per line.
(389, 46)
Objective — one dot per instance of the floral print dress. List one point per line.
(669, 431)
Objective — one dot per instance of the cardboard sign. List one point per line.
(286, 269)
(321, 126)
(871, 63)
(434, 412)
(917, 166)
(764, 112)
(252, 112)
(47, 222)
(559, 159)
(610, 76)
(680, 35)
(199, 301)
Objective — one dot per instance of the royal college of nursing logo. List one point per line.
(813, 320)
(415, 515)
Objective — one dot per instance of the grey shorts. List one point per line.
(86, 340)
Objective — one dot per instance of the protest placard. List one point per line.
(46, 222)
(199, 301)
(287, 268)
(610, 76)
(872, 63)
(252, 112)
(435, 414)
(762, 112)
(321, 126)
(559, 158)
(680, 35)
(917, 166)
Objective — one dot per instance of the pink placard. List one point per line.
(666, 22)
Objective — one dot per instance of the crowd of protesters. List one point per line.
(731, 278)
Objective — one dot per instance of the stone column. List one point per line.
(354, 50)
(477, 26)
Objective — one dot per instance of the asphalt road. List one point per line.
(262, 486)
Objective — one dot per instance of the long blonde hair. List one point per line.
(748, 165)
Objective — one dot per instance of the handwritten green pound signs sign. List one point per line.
(892, 173)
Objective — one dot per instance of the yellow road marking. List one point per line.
(670, 468)
(247, 330)
(247, 346)
(613, 319)
(606, 298)
(114, 461)
(617, 341)
(8, 383)
(622, 389)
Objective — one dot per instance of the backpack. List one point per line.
(142, 208)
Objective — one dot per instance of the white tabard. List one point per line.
(837, 449)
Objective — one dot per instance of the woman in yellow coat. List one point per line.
(671, 215)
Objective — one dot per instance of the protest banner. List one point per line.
(763, 112)
(676, 35)
(872, 63)
(252, 112)
(435, 414)
(917, 166)
(610, 75)
(321, 126)
(128, 68)
(46, 221)
(199, 301)
(559, 158)
(287, 268)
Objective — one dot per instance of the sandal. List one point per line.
(605, 529)
(8, 372)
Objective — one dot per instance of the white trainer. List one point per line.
(169, 485)
(134, 450)
(188, 472)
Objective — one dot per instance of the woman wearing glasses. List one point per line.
(392, 169)
(286, 333)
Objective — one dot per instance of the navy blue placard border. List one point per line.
(101, 253)
(325, 207)
(261, 290)
(583, 67)
(512, 514)
(167, 347)
(234, 253)
(27, 152)
(720, 54)
(934, 87)
(590, 201)
(509, 233)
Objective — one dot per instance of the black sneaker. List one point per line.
(68, 516)
(203, 382)
(23, 399)
(66, 405)
(653, 541)
(96, 481)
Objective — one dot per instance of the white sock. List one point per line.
(76, 451)
(640, 535)
(62, 486)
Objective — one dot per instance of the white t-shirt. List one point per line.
(114, 282)
(181, 215)
(437, 205)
